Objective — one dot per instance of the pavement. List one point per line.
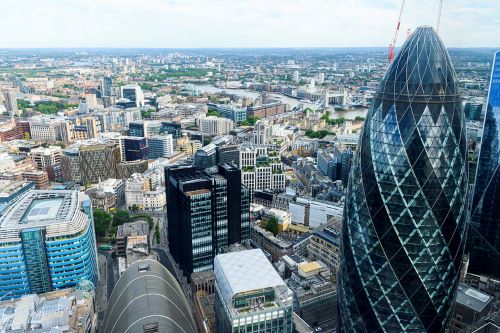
(106, 283)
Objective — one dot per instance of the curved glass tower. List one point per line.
(405, 214)
(484, 241)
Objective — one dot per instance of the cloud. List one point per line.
(239, 23)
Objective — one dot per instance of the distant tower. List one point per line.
(321, 78)
(296, 77)
(406, 204)
(484, 231)
(11, 102)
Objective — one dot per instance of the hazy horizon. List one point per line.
(198, 24)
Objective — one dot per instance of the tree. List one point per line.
(120, 217)
(272, 225)
(250, 121)
(102, 221)
(135, 207)
(213, 113)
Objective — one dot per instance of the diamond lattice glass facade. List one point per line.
(405, 213)
(484, 243)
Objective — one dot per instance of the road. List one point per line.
(111, 272)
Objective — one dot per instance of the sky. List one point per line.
(240, 23)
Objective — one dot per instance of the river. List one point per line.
(292, 102)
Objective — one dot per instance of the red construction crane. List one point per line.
(395, 39)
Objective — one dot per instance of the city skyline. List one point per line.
(298, 23)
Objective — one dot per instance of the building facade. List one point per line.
(250, 296)
(47, 242)
(203, 217)
(484, 231)
(405, 213)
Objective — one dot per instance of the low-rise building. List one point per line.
(269, 243)
(471, 310)
(315, 294)
(66, 310)
(137, 229)
(13, 190)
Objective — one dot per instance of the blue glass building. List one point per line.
(135, 148)
(47, 242)
(484, 232)
(405, 214)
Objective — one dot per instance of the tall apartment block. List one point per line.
(250, 296)
(261, 168)
(206, 212)
(47, 242)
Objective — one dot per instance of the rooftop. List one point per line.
(245, 271)
(473, 298)
(57, 211)
(67, 308)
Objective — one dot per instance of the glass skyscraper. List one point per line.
(405, 213)
(47, 242)
(484, 232)
(206, 212)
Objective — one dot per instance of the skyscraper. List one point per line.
(405, 214)
(47, 242)
(204, 214)
(484, 241)
(106, 86)
(11, 102)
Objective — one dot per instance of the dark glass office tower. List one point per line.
(206, 212)
(484, 231)
(405, 214)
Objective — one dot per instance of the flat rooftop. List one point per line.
(473, 298)
(245, 271)
(56, 210)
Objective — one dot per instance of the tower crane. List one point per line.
(394, 40)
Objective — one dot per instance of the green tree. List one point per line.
(120, 217)
(250, 121)
(135, 207)
(359, 118)
(272, 225)
(102, 221)
(213, 113)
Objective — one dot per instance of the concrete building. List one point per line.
(133, 93)
(47, 242)
(90, 162)
(314, 291)
(12, 190)
(11, 102)
(141, 192)
(250, 295)
(215, 125)
(160, 146)
(261, 168)
(66, 310)
(48, 159)
(265, 240)
(471, 309)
